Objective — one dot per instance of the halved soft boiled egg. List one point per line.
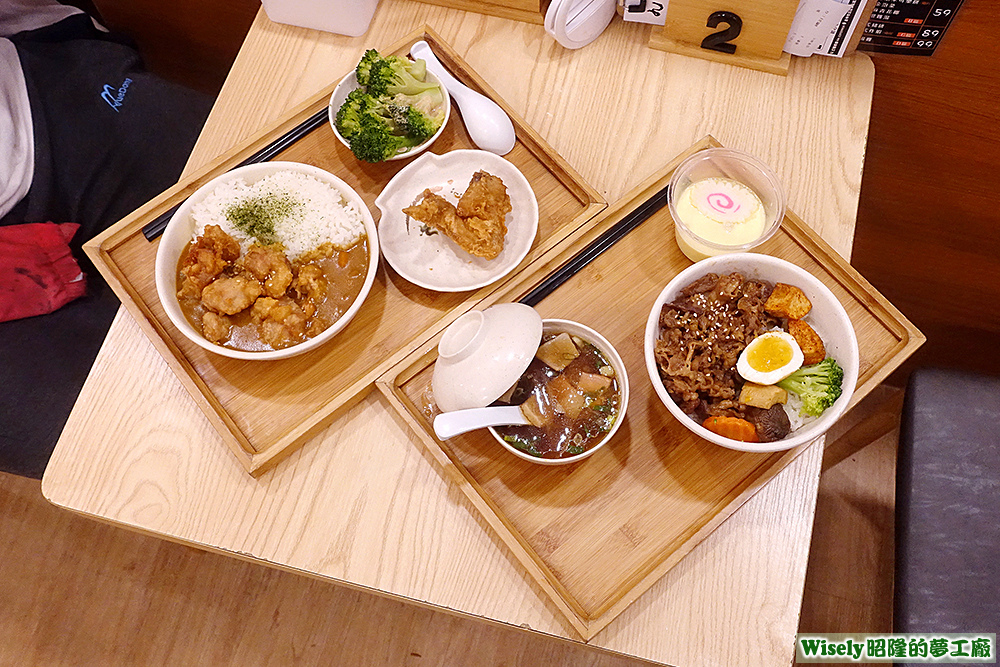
(769, 358)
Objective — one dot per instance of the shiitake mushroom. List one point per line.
(772, 424)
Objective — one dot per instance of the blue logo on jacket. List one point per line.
(115, 97)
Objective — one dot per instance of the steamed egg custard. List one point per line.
(769, 358)
(722, 211)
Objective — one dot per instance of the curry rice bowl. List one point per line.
(288, 207)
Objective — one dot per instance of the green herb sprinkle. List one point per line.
(257, 216)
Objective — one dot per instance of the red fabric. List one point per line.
(37, 271)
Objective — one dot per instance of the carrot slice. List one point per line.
(733, 428)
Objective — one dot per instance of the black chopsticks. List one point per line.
(153, 229)
(591, 252)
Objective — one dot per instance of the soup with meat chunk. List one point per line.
(571, 395)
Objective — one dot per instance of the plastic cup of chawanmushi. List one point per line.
(724, 200)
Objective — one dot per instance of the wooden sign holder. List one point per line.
(736, 32)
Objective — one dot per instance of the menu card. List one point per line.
(910, 27)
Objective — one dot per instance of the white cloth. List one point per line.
(17, 150)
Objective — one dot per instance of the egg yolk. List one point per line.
(769, 353)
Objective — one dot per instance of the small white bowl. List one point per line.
(609, 351)
(350, 82)
(180, 231)
(483, 353)
(827, 317)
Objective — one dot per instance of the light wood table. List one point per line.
(360, 505)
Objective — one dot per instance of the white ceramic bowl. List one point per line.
(350, 82)
(180, 230)
(609, 351)
(827, 317)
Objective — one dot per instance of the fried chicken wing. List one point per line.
(477, 224)
(486, 197)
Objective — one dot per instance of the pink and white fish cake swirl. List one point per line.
(724, 200)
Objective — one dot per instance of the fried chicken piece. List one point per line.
(310, 285)
(269, 265)
(209, 256)
(482, 237)
(486, 197)
(281, 322)
(230, 295)
(310, 282)
(215, 327)
(261, 307)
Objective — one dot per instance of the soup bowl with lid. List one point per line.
(181, 228)
(484, 354)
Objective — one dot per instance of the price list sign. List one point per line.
(908, 27)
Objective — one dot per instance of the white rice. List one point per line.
(319, 214)
(793, 408)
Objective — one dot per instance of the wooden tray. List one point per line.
(597, 534)
(265, 410)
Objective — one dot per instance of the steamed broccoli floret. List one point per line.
(392, 75)
(371, 69)
(367, 124)
(392, 110)
(349, 115)
(420, 114)
(413, 122)
(818, 385)
(418, 125)
(374, 140)
(409, 77)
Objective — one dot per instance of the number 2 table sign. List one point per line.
(747, 33)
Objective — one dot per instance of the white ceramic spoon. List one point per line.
(449, 424)
(487, 124)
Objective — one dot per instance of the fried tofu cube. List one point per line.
(788, 301)
(813, 350)
(762, 395)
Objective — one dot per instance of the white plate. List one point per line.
(434, 261)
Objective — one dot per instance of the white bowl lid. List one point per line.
(483, 353)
